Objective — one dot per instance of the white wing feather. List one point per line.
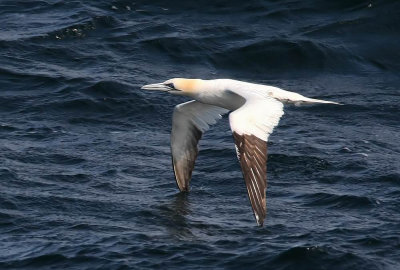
(258, 117)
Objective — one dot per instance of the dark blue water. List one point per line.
(85, 170)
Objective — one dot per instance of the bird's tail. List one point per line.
(313, 100)
(292, 97)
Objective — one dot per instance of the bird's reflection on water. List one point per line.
(175, 213)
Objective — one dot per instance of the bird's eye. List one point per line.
(170, 85)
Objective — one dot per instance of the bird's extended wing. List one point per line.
(189, 121)
(251, 126)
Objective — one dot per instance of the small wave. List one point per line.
(81, 30)
(390, 179)
(7, 128)
(40, 133)
(7, 174)
(6, 203)
(222, 32)
(6, 221)
(338, 201)
(180, 49)
(71, 178)
(369, 241)
(36, 76)
(301, 253)
(39, 158)
(278, 163)
(81, 105)
(279, 54)
(313, 257)
(56, 260)
(104, 97)
(73, 31)
(110, 89)
(331, 27)
(393, 178)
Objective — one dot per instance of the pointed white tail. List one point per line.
(313, 100)
(292, 97)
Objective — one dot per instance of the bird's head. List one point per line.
(177, 86)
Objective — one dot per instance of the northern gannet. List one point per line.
(256, 110)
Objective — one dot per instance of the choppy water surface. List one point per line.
(85, 172)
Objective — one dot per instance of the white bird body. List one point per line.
(256, 110)
(216, 92)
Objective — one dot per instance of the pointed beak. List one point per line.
(157, 87)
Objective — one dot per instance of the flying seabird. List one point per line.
(255, 111)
